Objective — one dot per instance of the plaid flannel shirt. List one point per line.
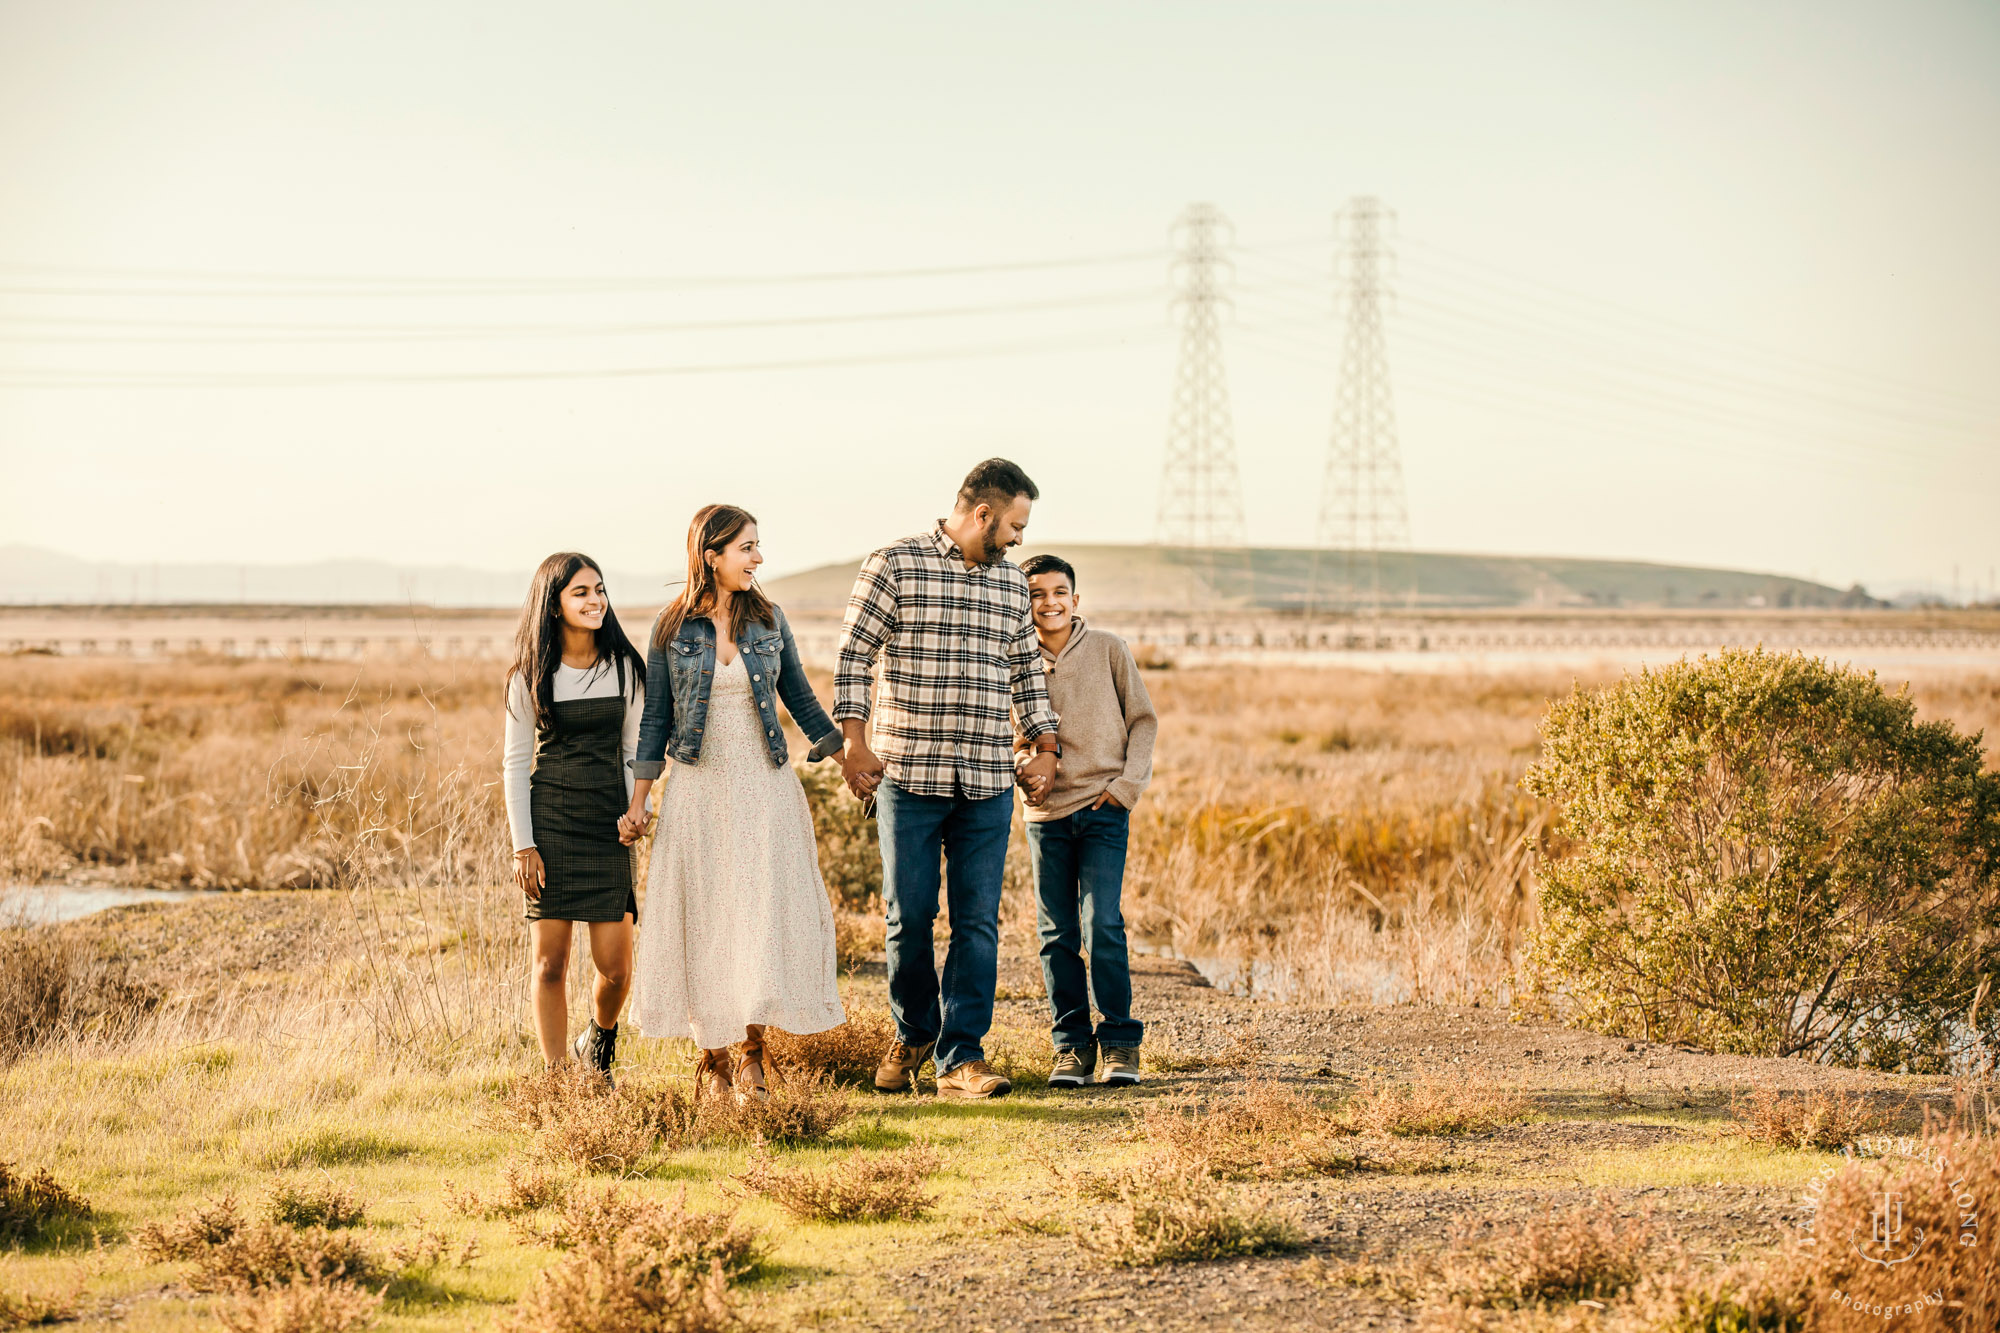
(958, 647)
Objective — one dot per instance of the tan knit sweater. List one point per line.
(1107, 724)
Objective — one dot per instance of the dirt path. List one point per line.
(1597, 1097)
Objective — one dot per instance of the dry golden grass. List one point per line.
(623, 1287)
(1353, 835)
(1162, 1213)
(321, 1202)
(846, 1054)
(525, 1187)
(1269, 1132)
(1816, 1119)
(634, 1265)
(1581, 1252)
(862, 1187)
(262, 1255)
(28, 1309)
(35, 1207)
(314, 1305)
(685, 1238)
(568, 1116)
(1434, 1105)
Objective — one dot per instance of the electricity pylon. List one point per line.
(1201, 498)
(1362, 511)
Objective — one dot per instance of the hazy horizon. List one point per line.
(1704, 285)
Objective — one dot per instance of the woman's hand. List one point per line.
(529, 874)
(1107, 799)
(632, 823)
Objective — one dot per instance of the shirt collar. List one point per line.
(949, 549)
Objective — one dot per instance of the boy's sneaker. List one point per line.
(1073, 1066)
(1121, 1065)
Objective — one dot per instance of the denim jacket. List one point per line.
(677, 702)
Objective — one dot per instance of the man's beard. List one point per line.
(990, 538)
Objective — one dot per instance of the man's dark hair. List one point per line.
(1048, 564)
(995, 482)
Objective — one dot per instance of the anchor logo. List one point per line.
(1889, 1237)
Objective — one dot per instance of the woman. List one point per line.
(738, 932)
(574, 697)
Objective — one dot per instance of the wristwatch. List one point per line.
(1048, 743)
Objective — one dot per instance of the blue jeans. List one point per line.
(972, 835)
(1079, 865)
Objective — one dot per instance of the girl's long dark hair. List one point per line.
(538, 640)
(713, 528)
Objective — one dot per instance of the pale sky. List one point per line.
(1693, 282)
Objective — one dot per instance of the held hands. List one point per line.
(529, 874)
(861, 769)
(632, 824)
(1037, 776)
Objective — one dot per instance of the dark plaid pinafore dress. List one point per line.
(576, 792)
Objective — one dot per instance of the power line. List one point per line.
(44, 379)
(255, 332)
(1659, 326)
(346, 285)
(1655, 379)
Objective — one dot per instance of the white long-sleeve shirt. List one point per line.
(517, 752)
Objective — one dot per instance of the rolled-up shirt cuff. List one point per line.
(850, 712)
(648, 770)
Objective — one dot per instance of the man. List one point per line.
(949, 618)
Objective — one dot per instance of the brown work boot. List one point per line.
(973, 1081)
(898, 1070)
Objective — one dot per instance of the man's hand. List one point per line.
(1038, 775)
(861, 768)
(528, 873)
(1107, 799)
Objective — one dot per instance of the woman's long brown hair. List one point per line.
(713, 528)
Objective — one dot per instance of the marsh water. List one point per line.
(46, 904)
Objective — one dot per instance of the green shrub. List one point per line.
(1771, 856)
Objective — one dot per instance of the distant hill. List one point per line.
(1154, 578)
(1111, 578)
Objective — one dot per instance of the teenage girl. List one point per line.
(574, 698)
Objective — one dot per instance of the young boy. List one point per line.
(1077, 824)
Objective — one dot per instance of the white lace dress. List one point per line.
(736, 927)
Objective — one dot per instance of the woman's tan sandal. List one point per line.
(711, 1074)
(750, 1072)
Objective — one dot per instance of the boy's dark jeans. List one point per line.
(1079, 863)
(972, 834)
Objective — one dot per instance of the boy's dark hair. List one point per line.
(1048, 564)
(995, 482)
